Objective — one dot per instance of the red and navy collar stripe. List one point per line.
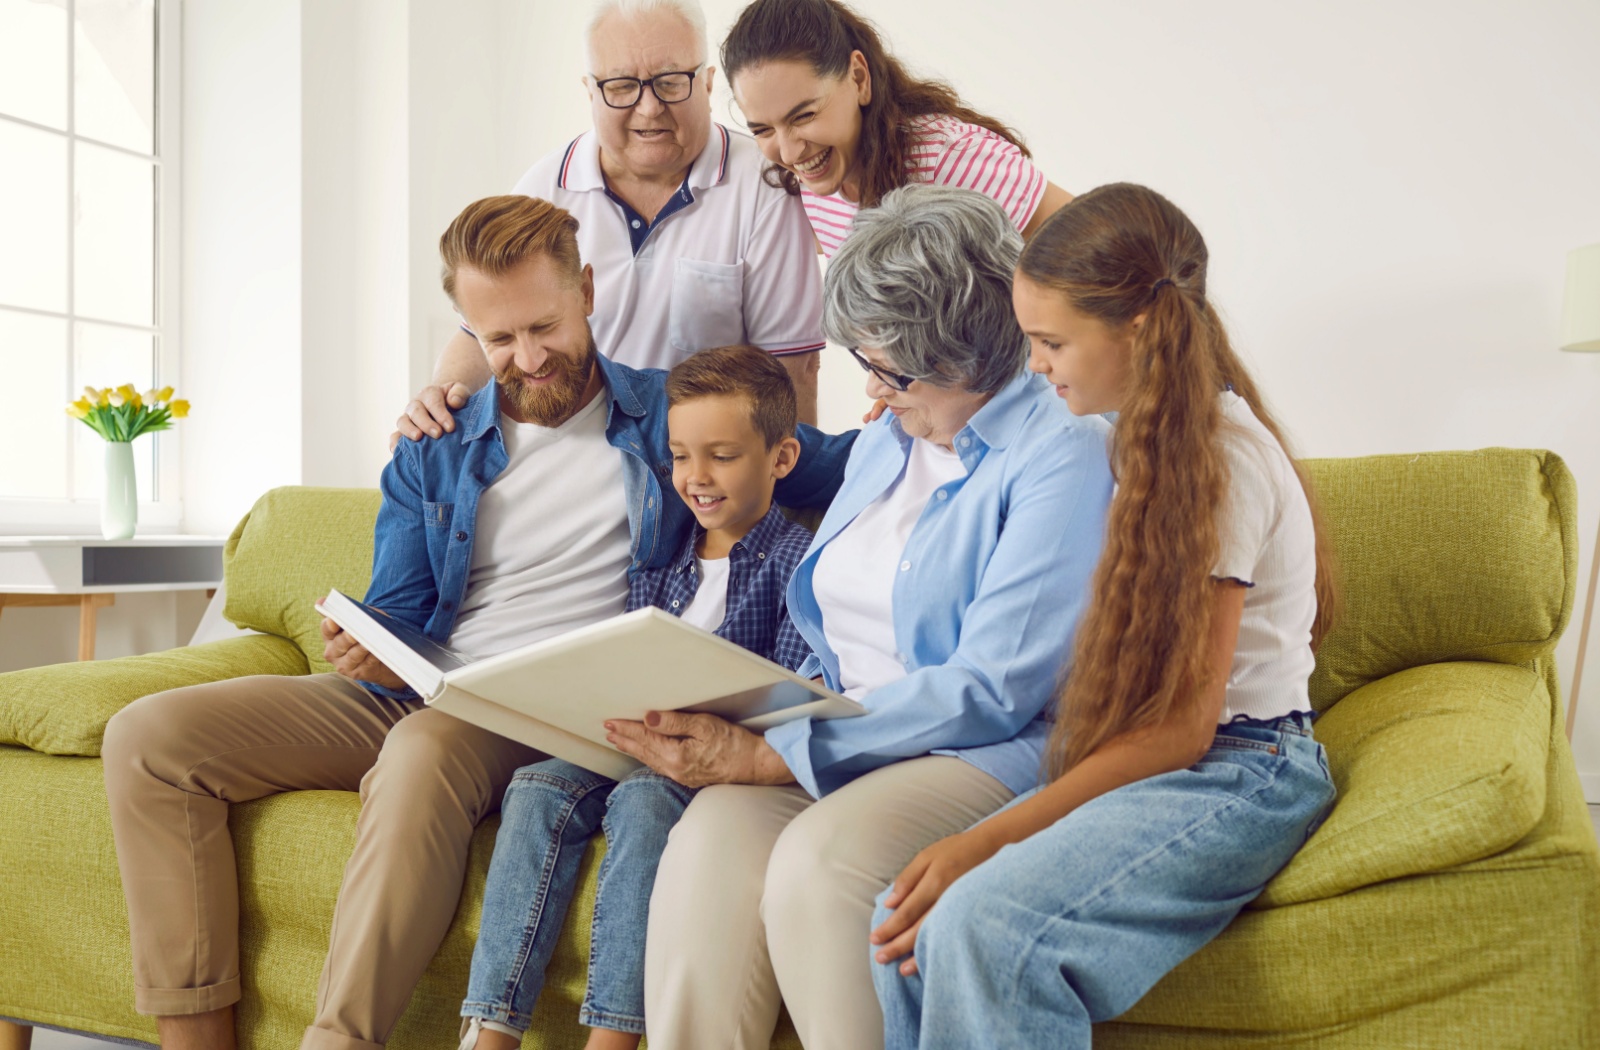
(722, 168)
(572, 149)
(566, 162)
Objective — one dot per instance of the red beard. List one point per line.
(554, 402)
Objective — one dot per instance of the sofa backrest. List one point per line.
(1445, 556)
(294, 545)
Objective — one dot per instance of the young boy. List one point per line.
(730, 422)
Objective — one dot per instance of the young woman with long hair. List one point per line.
(1182, 769)
(844, 122)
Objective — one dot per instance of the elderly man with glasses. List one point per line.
(691, 247)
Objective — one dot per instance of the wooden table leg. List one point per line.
(87, 610)
(15, 1036)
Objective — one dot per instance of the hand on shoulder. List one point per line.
(431, 412)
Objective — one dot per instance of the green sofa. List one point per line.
(1452, 899)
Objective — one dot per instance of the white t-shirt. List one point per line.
(736, 266)
(948, 152)
(709, 606)
(856, 572)
(551, 548)
(1269, 544)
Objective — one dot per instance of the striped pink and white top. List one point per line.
(949, 152)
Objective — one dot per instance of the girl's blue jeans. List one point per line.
(1073, 925)
(550, 811)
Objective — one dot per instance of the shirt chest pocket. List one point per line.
(436, 528)
(707, 305)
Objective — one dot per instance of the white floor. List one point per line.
(48, 1040)
(44, 1039)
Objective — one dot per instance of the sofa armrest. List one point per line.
(63, 709)
(1436, 766)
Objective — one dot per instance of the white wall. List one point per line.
(296, 305)
(355, 195)
(241, 255)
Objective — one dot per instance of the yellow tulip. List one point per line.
(136, 401)
(102, 397)
(127, 391)
(164, 394)
(116, 398)
(179, 408)
(79, 409)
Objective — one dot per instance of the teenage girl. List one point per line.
(1182, 772)
(845, 123)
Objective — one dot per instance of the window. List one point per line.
(88, 238)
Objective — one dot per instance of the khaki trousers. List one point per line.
(765, 896)
(174, 762)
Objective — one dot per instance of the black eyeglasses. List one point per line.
(894, 379)
(625, 92)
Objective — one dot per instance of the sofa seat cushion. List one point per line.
(63, 709)
(1436, 766)
(1415, 963)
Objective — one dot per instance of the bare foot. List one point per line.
(610, 1039)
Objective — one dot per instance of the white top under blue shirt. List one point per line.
(991, 586)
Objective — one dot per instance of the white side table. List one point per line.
(89, 573)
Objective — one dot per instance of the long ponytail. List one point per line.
(1141, 651)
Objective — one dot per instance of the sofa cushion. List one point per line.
(63, 709)
(1436, 767)
(1445, 556)
(293, 546)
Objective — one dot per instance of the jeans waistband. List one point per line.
(1298, 722)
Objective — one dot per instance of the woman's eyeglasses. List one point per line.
(893, 379)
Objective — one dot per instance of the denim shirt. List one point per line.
(993, 581)
(759, 567)
(422, 543)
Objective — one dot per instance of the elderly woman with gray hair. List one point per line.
(941, 591)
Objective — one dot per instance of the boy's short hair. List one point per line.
(497, 234)
(740, 371)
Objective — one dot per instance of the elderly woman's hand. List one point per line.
(696, 750)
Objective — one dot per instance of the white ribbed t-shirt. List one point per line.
(948, 152)
(1269, 544)
(856, 572)
(550, 549)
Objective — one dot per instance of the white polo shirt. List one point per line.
(730, 260)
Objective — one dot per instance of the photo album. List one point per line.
(556, 694)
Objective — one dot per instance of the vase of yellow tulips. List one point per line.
(119, 415)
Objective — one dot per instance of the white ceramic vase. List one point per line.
(119, 509)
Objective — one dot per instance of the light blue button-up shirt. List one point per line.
(984, 618)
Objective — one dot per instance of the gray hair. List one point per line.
(926, 278)
(689, 10)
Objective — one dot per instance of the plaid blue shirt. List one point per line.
(759, 567)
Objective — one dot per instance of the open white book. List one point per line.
(555, 695)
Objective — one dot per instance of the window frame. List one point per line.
(81, 514)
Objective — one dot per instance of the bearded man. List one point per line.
(523, 522)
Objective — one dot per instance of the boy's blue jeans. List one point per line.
(550, 811)
(1073, 925)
